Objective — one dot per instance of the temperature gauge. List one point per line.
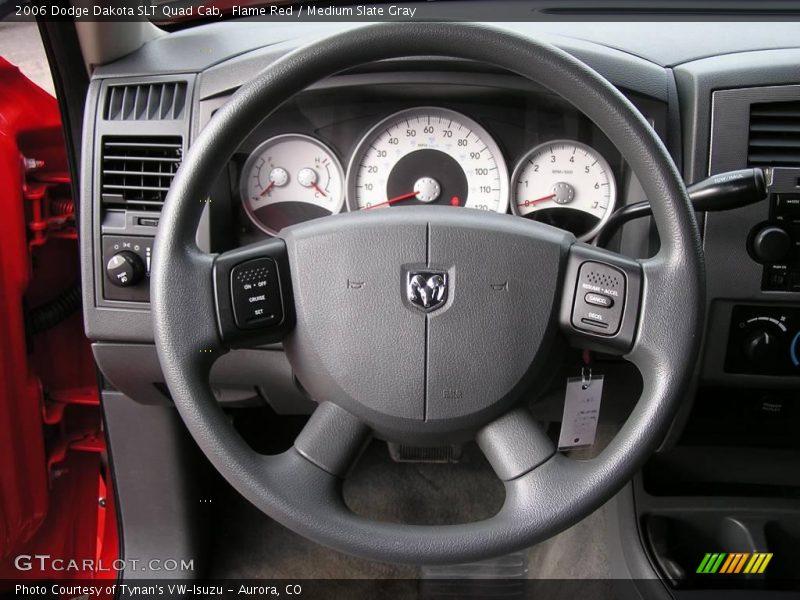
(290, 179)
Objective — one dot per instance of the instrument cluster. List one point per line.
(427, 156)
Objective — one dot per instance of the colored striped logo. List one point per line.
(736, 562)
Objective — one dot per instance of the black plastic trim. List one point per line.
(232, 334)
(622, 341)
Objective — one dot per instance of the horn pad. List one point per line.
(423, 321)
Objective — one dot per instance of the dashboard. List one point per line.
(537, 159)
(433, 131)
(375, 138)
(425, 136)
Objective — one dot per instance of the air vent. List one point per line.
(137, 171)
(774, 134)
(146, 102)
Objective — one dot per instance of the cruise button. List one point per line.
(599, 300)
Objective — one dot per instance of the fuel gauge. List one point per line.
(289, 179)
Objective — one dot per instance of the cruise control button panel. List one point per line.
(256, 294)
(600, 298)
(253, 292)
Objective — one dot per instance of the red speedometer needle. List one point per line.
(268, 188)
(316, 187)
(395, 199)
(537, 201)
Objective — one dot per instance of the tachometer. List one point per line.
(428, 156)
(566, 184)
(289, 179)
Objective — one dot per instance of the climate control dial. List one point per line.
(764, 340)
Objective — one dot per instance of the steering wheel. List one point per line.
(425, 325)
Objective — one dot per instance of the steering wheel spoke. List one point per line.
(514, 444)
(332, 439)
(601, 299)
(253, 294)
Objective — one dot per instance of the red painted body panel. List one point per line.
(23, 472)
(55, 496)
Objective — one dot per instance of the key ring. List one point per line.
(586, 381)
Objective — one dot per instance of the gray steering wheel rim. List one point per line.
(543, 501)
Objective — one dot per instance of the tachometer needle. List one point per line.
(537, 201)
(393, 200)
(267, 189)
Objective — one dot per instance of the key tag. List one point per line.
(581, 411)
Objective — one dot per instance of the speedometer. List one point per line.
(428, 156)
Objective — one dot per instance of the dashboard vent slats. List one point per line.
(774, 134)
(146, 102)
(137, 171)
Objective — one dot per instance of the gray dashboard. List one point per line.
(202, 48)
(674, 84)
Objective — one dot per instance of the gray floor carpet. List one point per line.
(250, 545)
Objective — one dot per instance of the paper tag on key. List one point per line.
(581, 412)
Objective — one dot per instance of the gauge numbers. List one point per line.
(566, 184)
(428, 156)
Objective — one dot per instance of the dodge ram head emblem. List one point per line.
(427, 290)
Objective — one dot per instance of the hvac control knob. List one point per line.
(771, 244)
(125, 269)
(759, 343)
